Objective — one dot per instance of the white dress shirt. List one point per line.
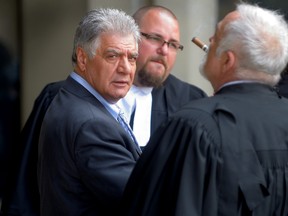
(140, 100)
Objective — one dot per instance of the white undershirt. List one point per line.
(141, 99)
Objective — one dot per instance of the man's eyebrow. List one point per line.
(112, 50)
(119, 52)
(134, 54)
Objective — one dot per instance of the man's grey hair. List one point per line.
(259, 37)
(102, 20)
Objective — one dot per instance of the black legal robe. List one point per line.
(225, 155)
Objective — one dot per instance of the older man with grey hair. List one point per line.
(85, 153)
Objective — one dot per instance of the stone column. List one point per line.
(196, 18)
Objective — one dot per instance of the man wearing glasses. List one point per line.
(155, 93)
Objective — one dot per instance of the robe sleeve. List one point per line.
(176, 174)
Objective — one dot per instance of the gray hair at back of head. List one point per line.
(102, 20)
(260, 39)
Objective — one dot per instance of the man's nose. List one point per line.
(124, 65)
(164, 48)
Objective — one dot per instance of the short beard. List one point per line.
(148, 80)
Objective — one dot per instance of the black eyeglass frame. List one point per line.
(149, 36)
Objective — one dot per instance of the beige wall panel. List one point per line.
(48, 31)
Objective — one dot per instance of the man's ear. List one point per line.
(229, 61)
(81, 58)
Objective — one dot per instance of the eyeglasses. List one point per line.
(154, 39)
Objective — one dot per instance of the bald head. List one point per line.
(140, 13)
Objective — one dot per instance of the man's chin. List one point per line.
(152, 80)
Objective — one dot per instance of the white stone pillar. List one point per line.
(196, 18)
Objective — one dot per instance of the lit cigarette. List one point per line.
(200, 44)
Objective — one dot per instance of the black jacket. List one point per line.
(85, 156)
(283, 85)
(23, 197)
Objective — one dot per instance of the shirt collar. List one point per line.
(141, 90)
(112, 108)
(236, 82)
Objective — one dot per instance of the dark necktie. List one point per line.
(131, 123)
(121, 120)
